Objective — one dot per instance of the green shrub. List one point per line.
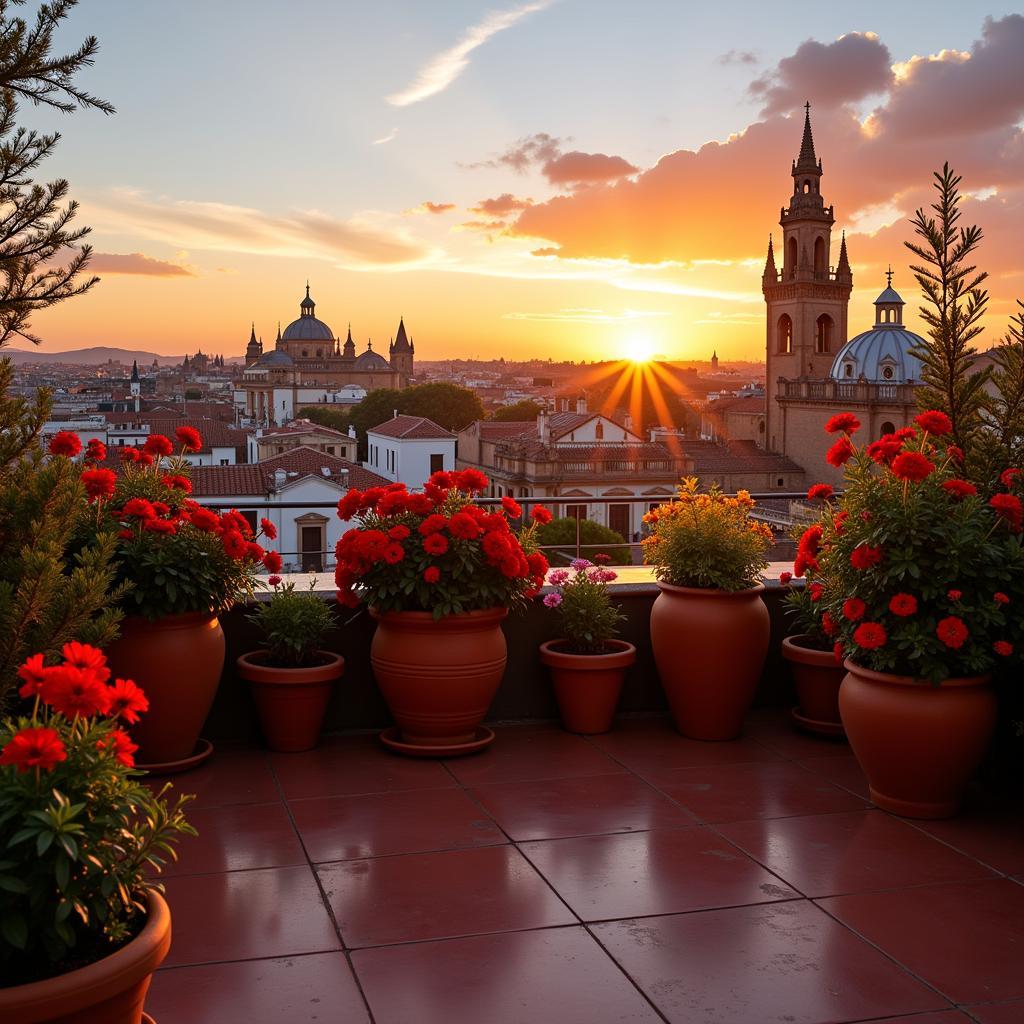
(293, 625)
(563, 531)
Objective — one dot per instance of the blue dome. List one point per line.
(275, 357)
(371, 360)
(307, 328)
(881, 355)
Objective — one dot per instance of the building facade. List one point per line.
(409, 449)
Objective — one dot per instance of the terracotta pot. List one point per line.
(817, 676)
(177, 660)
(110, 991)
(291, 702)
(587, 686)
(439, 676)
(918, 743)
(709, 646)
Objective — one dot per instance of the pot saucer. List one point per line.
(146, 1019)
(204, 748)
(483, 737)
(813, 725)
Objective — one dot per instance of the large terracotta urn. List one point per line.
(817, 676)
(918, 743)
(439, 676)
(587, 686)
(109, 991)
(177, 660)
(709, 646)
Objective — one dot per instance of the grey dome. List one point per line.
(881, 355)
(275, 357)
(307, 328)
(371, 360)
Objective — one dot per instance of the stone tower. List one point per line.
(254, 349)
(402, 352)
(807, 299)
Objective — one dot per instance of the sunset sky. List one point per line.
(569, 178)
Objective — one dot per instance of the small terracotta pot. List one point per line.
(439, 676)
(918, 743)
(709, 646)
(291, 702)
(817, 676)
(587, 686)
(110, 991)
(177, 660)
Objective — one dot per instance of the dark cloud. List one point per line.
(739, 57)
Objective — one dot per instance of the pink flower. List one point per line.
(558, 576)
(552, 600)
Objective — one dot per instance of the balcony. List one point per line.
(636, 876)
(841, 393)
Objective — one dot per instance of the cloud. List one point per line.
(501, 206)
(586, 168)
(360, 242)
(854, 66)
(539, 148)
(385, 138)
(136, 263)
(429, 207)
(439, 72)
(586, 316)
(738, 57)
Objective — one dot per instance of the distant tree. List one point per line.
(448, 405)
(956, 303)
(518, 413)
(376, 408)
(336, 419)
(35, 232)
(193, 394)
(563, 532)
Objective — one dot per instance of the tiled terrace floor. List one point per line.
(631, 877)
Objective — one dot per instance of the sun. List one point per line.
(638, 348)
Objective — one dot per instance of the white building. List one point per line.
(409, 449)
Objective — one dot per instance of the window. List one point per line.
(436, 462)
(791, 257)
(848, 369)
(784, 335)
(599, 431)
(887, 372)
(887, 427)
(780, 482)
(250, 516)
(820, 266)
(823, 334)
(618, 519)
(225, 462)
(576, 511)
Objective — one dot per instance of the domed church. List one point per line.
(812, 370)
(309, 364)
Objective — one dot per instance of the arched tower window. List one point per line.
(784, 335)
(791, 257)
(820, 266)
(599, 431)
(807, 185)
(888, 428)
(823, 335)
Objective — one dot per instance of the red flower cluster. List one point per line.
(95, 451)
(870, 636)
(99, 483)
(840, 453)
(1008, 507)
(807, 551)
(820, 492)
(960, 489)
(952, 632)
(189, 439)
(843, 422)
(854, 609)
(34, 747)
(65, 443)
(864, 556)
(912, 466)
(903, 605)
(934, 422)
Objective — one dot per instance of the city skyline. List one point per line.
(518, 179)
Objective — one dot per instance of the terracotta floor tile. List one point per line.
(312, 989)
(533, 977)
(840, 771)
(998, 1013)
(348, 765)
(938, 1017)
(525, 752)
(965, 939)
(240, 915)
(748, 965)
(738, 792)
(660, 872)
(237, 837)
(829, 854)
(593, 805)
(993, 835)
(775, 729)
(351, 827)
(439, 895)
(229, 777)
(645, 744)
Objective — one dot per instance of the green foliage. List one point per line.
(293, 625)
(707, 540)
(193, 394)
(563, 532)
(521, 412)
(53, 587)
(587, 617)
(1002, 443)
(956, 304)
(336, 419)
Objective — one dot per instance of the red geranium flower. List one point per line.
(959, 488)
(953, 595)
(1007, 477)
(99, 483)
(158, 445)
(864, 556)
(129, 455)
(127, 700)
(837, 652)
(34, 673)
(234, 543)
(952, 632)
(65, 443)
(854, 609)
(393, 503)
(464, 526)
(804, 563)
(398, 532)
(511, 507)
(471, 480)
(828, 624)
(255, 552)
(912, 466)
(272, 561)
(934, 422)
(274, 581)
(903, 605)
(1008, 507)
(140, 508)
(34, 748)
(350, 504)
(816, 590)
(843, 422)
(810, 541)
(955, 452)
(72, 691)
(177, 482)
(540, 514)
(205, 520)
(95, 451)
(839, 454)
(1000, 598)
(394, 552)
(1003, 648)
(538, 564)
(443, 479)
(433, 524)
(870, 636)
(885, 449)
(269, 529)
(188, 438)
(431, 574)
(785, 577)
(820, 492)
(435, 544)
(419, 504)
(159, 526)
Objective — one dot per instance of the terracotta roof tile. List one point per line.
(411, 427)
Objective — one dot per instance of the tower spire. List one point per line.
(888, 277)
(770, 271)
(807, 160)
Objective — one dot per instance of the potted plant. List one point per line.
(588, 664)
(816, 673)
(919, 568)
(709, 626)
(439, 574)
(184, 564)
(291, 675)
(82, 922)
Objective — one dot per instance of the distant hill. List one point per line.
(94, 356)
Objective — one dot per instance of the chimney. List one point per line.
(352, 431)
(581, 404)
(280, 479)
(394, 413)
(543, 429)
(628, 422)
(343, 477)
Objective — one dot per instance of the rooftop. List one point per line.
(418, 427)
